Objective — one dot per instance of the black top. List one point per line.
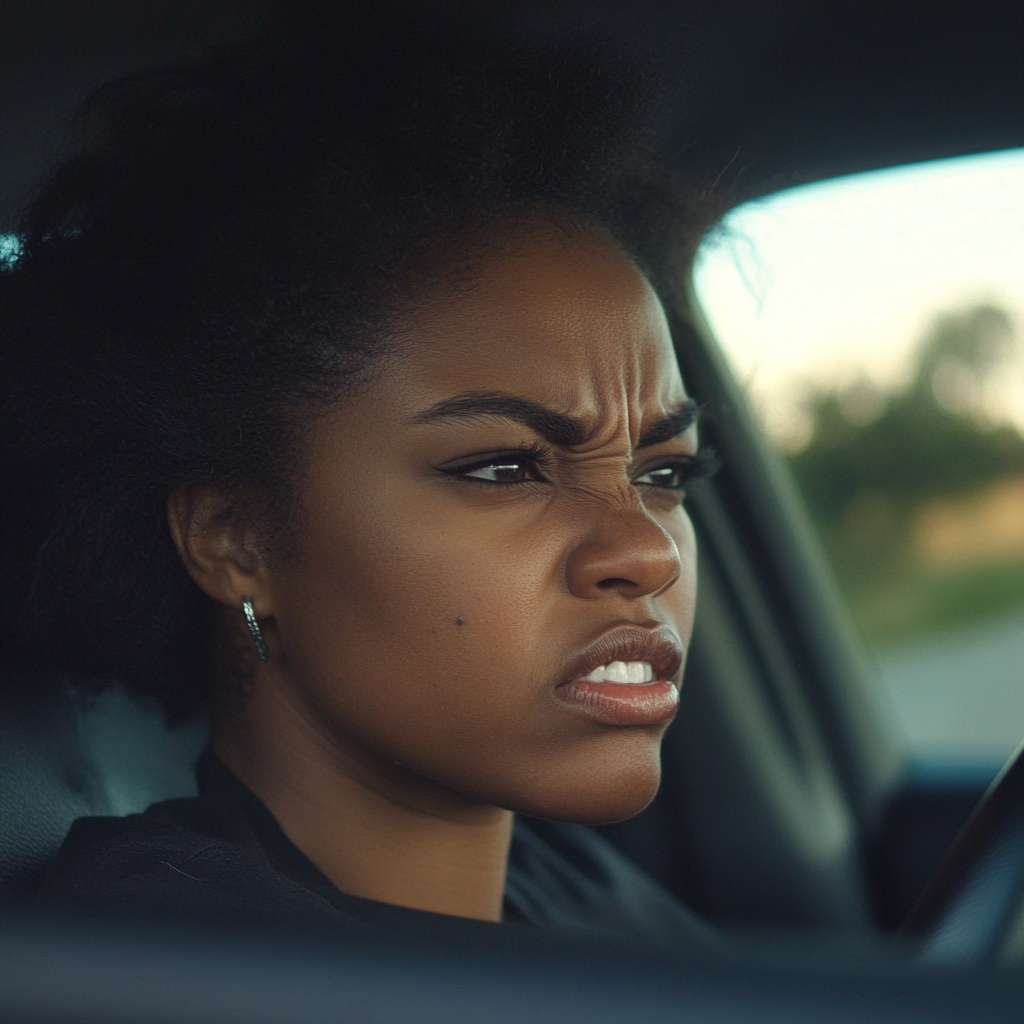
(222, 854)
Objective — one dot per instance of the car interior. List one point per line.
(786, 813)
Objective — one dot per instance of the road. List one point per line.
(960, 696)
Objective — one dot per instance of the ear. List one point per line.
(221, 551)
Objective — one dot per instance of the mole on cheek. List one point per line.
(459, 621)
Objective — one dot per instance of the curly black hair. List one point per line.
(222, 257)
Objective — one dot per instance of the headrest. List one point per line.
(66, 752)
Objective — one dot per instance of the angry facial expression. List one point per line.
(496, 577)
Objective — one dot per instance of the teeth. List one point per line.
(623, 672)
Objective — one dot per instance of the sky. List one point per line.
(824, 283)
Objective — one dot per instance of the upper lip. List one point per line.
(659, 646)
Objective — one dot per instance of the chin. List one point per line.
(612, 790)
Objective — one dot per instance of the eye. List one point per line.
(674, 475)
(501, 468)
(512, 471)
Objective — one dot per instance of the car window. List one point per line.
(874, 322)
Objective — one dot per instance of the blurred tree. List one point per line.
(875, 459)
(927, 440)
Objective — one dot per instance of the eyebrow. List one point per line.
(687, 413)
(555, 427)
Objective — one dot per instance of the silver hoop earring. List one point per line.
(254, 630)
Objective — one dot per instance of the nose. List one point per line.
(624, 552)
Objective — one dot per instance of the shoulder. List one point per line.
(171, 858)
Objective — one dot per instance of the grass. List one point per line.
(915, 602)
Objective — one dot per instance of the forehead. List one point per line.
(562, 318)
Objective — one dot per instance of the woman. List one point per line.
(342, 361)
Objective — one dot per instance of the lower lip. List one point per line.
(622, 703)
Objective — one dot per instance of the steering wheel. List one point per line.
(971, 913)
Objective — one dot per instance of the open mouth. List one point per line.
(626, 677)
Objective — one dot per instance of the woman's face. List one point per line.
(494, 519)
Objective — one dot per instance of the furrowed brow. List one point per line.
(672, 426)
(555, 427)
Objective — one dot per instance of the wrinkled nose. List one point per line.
(623, 552)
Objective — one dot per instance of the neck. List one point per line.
(375, 829)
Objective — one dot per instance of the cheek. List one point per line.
(419, 632)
